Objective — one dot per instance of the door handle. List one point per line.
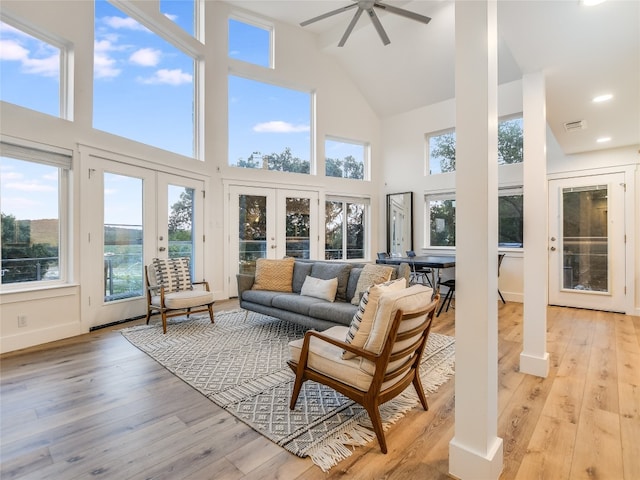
(553, 249)
(161, 249)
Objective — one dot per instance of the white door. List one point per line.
(132, 215)
(269, 223)
(587, 242)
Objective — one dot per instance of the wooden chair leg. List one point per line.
(148, 315)
(164, 322)
(417, 384)
(297, 386)
(210, 307)
(376, 421)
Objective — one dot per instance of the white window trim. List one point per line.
(367, 230)
(366, 155)
(61, 159)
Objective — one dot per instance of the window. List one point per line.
(441, 209)
(250, 43)
(268, 126)
(442, 220)
(143, 85)
(345, 228)
(33, 189)
(28, 65)
(344, 159)
(442, 146)
(182, 12)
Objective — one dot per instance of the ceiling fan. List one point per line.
(368, 6)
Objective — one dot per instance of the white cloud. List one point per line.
(146, 57)
(104, 66)
(278, 126)
(47, 66)
(168, 77)
(12, 50)
(171, 16)
(9, 175)
(124, 23)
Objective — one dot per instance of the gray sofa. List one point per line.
(311, 312)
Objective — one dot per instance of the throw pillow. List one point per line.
(318, 288)
(329, 270)
(274, 275)
(371, 275)
(173, 273)
(363, 319)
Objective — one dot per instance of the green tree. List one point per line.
(181, 216)
(510, 141)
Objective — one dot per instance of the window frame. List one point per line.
(61, 159)
(515, 190)
(256, 23)
(66, 66)
(366, 156)
(366, 204)
(438, 133)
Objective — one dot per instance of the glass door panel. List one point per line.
(252, 231)
(298, 227)
(181, 220)
(123, 237)
(585, 242)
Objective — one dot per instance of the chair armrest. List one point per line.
(245, 282)
(358, 351)
(204, 282)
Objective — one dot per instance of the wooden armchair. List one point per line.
(387, 364)
(170, 291)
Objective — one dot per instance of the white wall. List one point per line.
(341, 111)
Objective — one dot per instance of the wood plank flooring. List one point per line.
(95, 407)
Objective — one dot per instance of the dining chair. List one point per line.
(500, 258)
(419, 275)
(383, 255)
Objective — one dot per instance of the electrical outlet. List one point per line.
(22, 321)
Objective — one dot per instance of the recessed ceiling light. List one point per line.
(602, 98)
(603, 139)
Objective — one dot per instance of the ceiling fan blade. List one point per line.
(328, 14)
(349, 29)
(378, 25)
(405, 13)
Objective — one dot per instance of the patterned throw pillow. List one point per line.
(274, 275)
(371, 275)
(173, 273)
(363, 319)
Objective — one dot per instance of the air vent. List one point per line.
(578, 125)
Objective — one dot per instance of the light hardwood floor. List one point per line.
(94, 406)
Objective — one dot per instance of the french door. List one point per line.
(587, 242)
(136, 214)
(270, 223)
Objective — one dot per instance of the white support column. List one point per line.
(534, 358)
(475, 452)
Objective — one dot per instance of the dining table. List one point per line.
(434, 262)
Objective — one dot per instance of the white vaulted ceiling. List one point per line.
(583, 52)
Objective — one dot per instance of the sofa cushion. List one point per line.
(293, 302)
(362, 321)
(263, 297)
(274, 275)
(336, 312)
(371, 275)
(328, 270)
(300, 272)
(318, 288)
(352, 284)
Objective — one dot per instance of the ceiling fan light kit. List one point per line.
(368, 6)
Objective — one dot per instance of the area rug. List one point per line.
(239, 363)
